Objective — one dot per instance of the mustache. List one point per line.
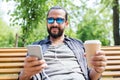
(53, 27)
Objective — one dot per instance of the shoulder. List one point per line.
(76, 41)
(40, 42)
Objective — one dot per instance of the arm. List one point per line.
(99, 62)
(32, 66)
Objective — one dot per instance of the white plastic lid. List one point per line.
(92, 42)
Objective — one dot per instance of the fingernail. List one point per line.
(36, 58)
(97, 52)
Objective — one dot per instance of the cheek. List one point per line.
(62, 26)
(48, 26)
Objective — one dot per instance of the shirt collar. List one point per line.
(47, 40)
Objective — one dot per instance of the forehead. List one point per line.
(57, 13)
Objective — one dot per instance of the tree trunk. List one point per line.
(116, 30)
(16, 40)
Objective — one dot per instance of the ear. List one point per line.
(66, 24)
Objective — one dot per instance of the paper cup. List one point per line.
(91, 46)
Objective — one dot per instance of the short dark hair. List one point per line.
(58, 7)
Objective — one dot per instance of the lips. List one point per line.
(54, 30)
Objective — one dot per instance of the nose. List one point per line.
(55, 23)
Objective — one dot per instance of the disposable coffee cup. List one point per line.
(91, 47)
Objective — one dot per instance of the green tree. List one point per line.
(6, 35)
(116, 28)
(27, 16)
(114, 6)
(95, 25)
(31, 17)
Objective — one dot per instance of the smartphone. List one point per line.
(35, 50)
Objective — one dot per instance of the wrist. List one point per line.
(23, 76)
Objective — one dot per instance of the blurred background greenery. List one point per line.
(88, 19)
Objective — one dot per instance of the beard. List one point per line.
(55, 35)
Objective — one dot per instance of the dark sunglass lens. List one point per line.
(59, 20)
(50, 20)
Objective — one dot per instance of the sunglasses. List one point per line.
(58, 20)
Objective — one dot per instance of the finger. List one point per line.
(36, 63)
(99, 63)
(99, 69)
(84, 54)
(99, 53)
(30, 58)
(99, 58)
(37, 69)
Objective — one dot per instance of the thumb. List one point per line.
(84, 54)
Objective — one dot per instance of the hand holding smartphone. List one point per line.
(35, 50)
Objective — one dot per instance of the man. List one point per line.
(64, 57)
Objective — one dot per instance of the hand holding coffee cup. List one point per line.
(91, 47)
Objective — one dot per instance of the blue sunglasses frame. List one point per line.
(51, 20)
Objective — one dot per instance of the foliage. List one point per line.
(28, 16)
(32, 18)
(6, 35)
(95, 25)
(85, 22)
